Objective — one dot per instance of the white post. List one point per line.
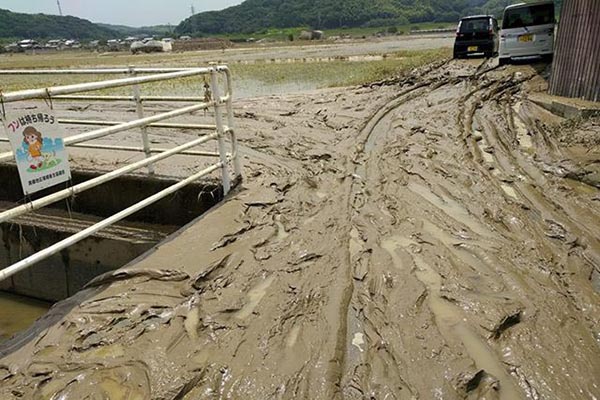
(214, 86)
(237, 164)
(140, 113)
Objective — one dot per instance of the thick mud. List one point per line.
(422, 239)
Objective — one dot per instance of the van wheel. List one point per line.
(503, 60)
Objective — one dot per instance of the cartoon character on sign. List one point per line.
(33, 139)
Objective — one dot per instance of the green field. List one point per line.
(278, 35)
(300, 74)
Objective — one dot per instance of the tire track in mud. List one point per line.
(521, 180)
(449, 321)
(352, 383)
(369, 234)
(356, 382)
(504, 161)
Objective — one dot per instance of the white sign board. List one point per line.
(37, 141)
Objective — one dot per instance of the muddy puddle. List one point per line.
(17, 313)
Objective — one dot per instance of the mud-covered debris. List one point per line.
(262, 203)
(149, 274)
(311, 182)
(5, 373)
(247, 114)
(187, 387)
(361, 266)
(555, 230)
(232, 237)
(477, 384)
(318, 156)
(417, 129)
(304, 257)
(41, 369)
(92, 339)
(283, 187)
(199, 280)
(507, 322)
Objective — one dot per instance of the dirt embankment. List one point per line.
(417, 240)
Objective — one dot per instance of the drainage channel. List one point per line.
(28, 294)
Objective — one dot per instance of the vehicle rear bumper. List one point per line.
(527, 53)
(462, 48)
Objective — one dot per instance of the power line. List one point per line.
(59, 8)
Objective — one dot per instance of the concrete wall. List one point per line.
(61, 275)
(64, 274)
(112, 197)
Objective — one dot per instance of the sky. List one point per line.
(121, 12)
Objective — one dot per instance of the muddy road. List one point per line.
(436, 237)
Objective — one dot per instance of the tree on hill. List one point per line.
(254, 15)
(17, 25)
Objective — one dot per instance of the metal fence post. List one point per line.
(237, 164)
(139, 107)
(214, 87)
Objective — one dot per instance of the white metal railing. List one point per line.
(219, 131)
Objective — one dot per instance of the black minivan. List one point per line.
(476, 35)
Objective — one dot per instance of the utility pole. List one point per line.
(59, 8)
(193, 20)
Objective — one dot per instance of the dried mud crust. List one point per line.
(405, 241)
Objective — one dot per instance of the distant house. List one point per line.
(114, 44)
(54, 44)
(13, 48)
(311, 35)
(72, 44)
(27, 44)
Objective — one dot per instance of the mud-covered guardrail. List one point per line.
(228, 161)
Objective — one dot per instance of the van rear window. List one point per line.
(474, 25)
(528, 16)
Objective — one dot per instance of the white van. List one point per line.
(527, 31)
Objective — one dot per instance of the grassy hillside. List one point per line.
(256, 15)
(16, 25)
